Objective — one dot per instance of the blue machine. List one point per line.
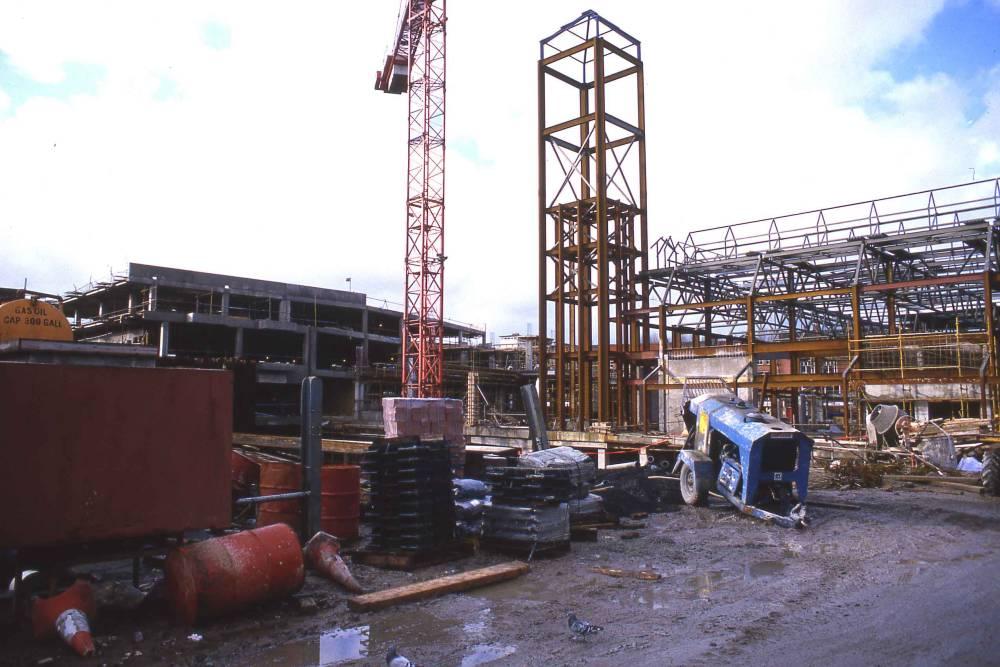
(757, 462)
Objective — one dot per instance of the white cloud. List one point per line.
(273, 157)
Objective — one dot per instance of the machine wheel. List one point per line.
(689, 487)
(991, 472)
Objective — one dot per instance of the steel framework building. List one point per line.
(591, 222)
(882, 298)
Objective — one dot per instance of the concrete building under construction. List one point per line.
(285, 332)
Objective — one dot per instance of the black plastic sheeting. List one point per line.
(631, 490)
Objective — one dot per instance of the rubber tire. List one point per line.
(991, 472)
(690, 492)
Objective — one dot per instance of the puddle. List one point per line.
(476, 629)
(522, 590)
(763, 568)
(652, 598)
(484, 653)
(918, 565)
(330, 648)
(704, 584)
(408, 631)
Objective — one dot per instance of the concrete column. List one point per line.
(359, 397)
(309, 349)
(151, 300)
(238, 346)
(225, 302)
(285, 311)
(131, 301)
(364, 330)
(164, 338)
(100, 309)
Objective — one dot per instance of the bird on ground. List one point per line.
(394, 659)
(581, 629)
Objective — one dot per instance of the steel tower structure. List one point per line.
(592, 224)
(416, 64)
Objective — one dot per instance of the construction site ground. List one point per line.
(907, 579)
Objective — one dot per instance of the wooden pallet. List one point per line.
(407, 561)
(516, 548)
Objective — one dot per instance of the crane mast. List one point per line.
(416, 64)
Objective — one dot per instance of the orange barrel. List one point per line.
(280, 477)
(246, 471)
(224, 574)
(341, 506)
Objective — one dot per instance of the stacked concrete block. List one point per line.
(428, 419)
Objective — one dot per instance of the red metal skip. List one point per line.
(93, 453)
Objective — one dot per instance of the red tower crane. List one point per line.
(416, 65)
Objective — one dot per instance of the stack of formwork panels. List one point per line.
(428, 419)
(412, 504)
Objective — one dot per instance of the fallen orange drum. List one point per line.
(223, 574)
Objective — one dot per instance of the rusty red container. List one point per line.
(224, 574)
(341, 505)
(103, 453)
(280, 477)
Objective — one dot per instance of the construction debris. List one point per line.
(858, 473)
(643, 575)
(440, 586)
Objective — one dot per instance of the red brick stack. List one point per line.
(428, 418)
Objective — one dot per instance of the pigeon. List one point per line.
(581, 628)
(394, 659)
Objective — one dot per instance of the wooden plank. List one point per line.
(832, 505)
(435, 587)
(960, 487)
(491, 449)
(968, 481)
(352, 447)
(582, 534)
(644, 575)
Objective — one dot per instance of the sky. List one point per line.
(246, 137)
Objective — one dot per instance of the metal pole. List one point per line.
(312, 453)
(536, 420)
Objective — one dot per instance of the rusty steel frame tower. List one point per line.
(592, 225)
(420, 48)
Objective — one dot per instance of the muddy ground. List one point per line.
(910, 578)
